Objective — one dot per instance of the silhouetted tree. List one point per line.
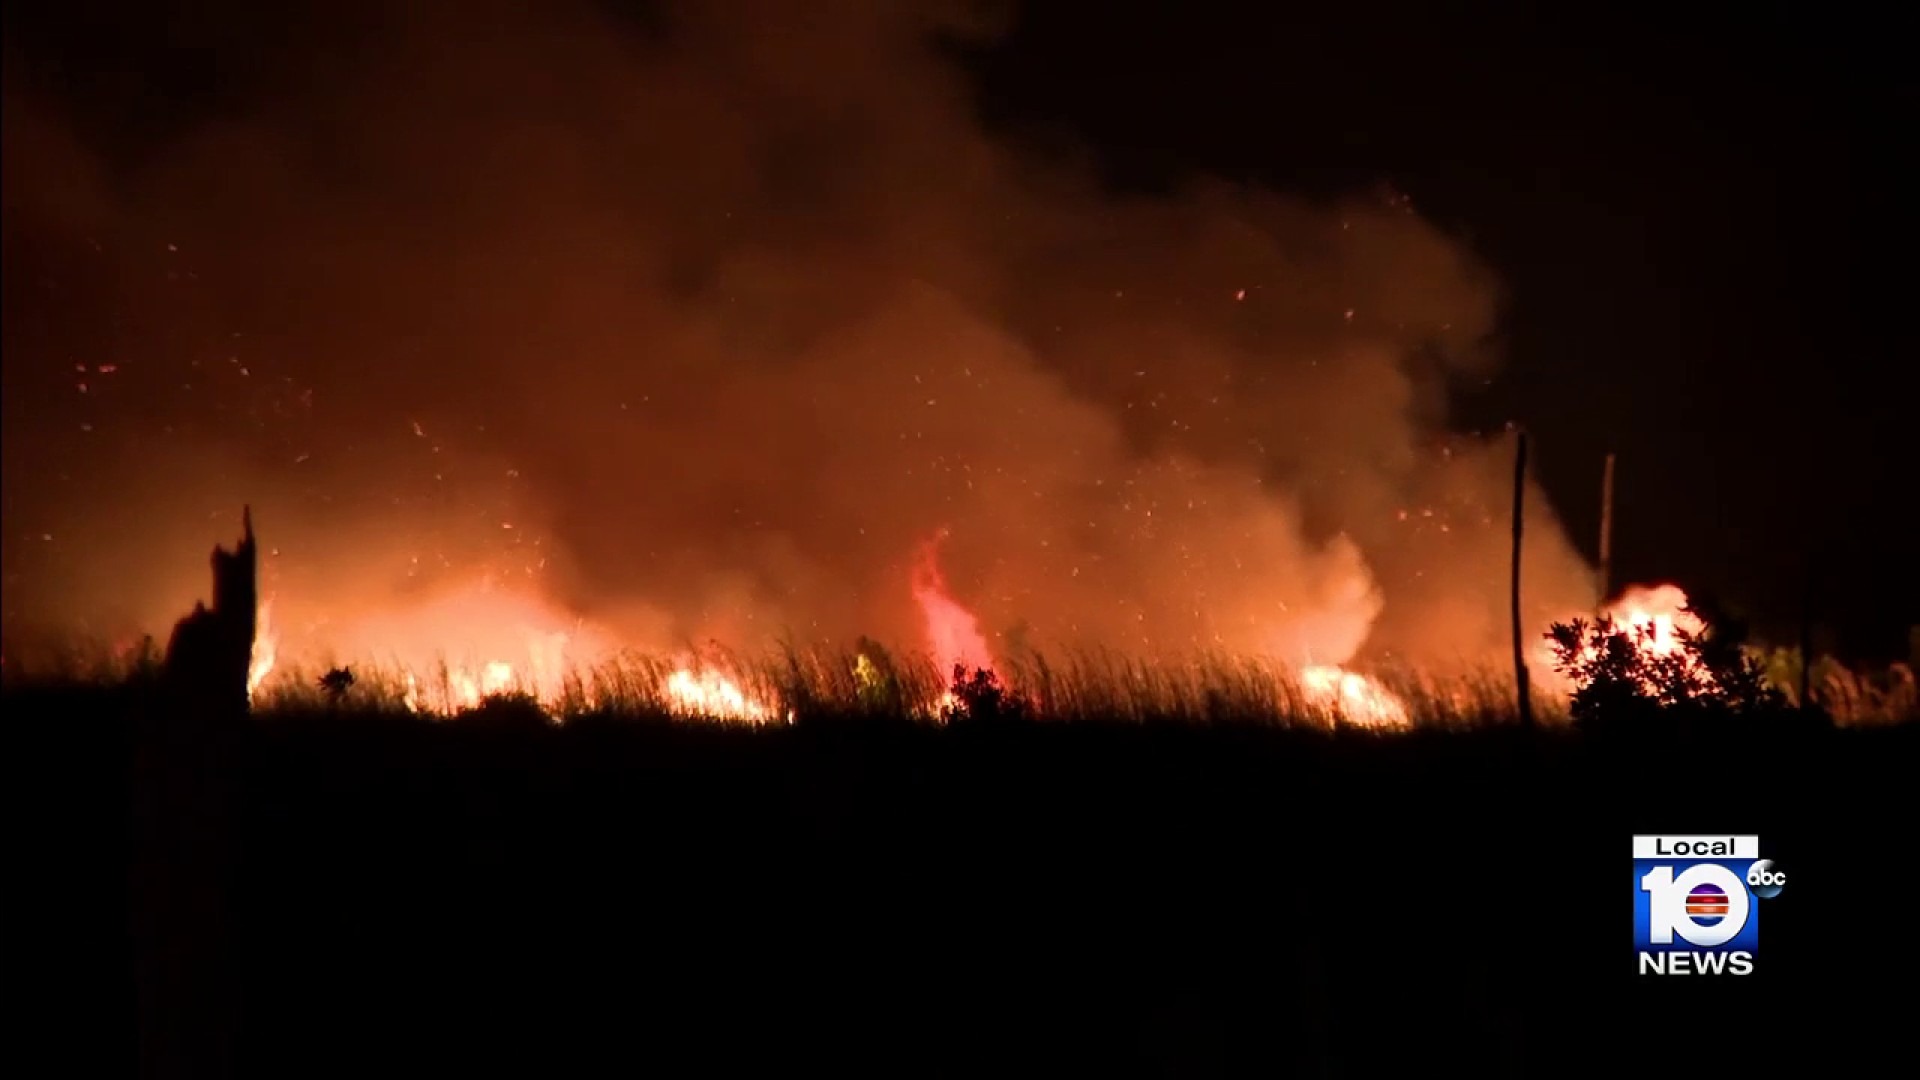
(983, 699)
(183, 823)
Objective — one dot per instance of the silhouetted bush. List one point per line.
(1626, 679)
(335, 683)
(505, 712)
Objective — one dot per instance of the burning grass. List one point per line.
(871, 683)
(958, 678)
(868, 682)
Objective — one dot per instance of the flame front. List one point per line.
(710, 695)
(518, 645)
(509, 644)
(1352, 698)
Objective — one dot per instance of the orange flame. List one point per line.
(710, 695)
(1352, 698)
(468, 686)
(953, 634)
(1654, 616)
(266, 647)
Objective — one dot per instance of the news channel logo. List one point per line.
(1696, 904)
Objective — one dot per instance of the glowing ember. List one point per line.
(712, 696)
(266, 645)
(1352, 697)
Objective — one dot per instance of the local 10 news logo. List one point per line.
(1696, 903)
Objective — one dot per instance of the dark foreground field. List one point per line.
(332, 897)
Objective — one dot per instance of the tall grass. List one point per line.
(1885, 696)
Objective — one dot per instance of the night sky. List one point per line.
(1700, 220)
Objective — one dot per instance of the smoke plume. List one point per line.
(703, 328)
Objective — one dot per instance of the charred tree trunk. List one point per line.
(211, 650)
(182, 915)
(1521, 682)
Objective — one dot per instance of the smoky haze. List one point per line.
(703, 329)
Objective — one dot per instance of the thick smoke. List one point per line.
(702, 330)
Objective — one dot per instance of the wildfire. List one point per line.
(516, 644)
(1352, 697)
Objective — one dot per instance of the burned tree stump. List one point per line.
(188, 744)
(211, 650)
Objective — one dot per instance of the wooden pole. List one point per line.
(1519, 647)
(1806, 639)
(1606, 537)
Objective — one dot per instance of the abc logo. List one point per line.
(1765, 881)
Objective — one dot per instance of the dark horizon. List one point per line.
(1696, 220)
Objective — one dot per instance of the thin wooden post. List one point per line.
(1606, 537)
(1806, 638)
(1519, 647)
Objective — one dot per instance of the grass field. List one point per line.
(353, 887)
